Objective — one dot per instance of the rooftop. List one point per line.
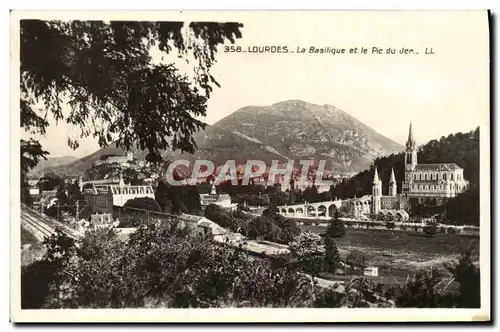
(437, 167)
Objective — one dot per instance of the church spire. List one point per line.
(410, 143)
(393, 178)
(213, 191)
(375, 176)
(393, 187)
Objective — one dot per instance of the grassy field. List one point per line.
(403, 251)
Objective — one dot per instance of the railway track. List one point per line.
(38, 229)
(42, 226)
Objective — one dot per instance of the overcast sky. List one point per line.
(441, 93)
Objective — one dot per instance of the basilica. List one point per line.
(421, 181)
(430, 180)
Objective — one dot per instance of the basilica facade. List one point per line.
(430, 180)
(421, 181)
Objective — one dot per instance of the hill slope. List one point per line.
(298, 130)
(286, 130)
(51, 163)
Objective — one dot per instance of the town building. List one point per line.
(430, 180)
(122, 160)
(102, 198)
(222, 200)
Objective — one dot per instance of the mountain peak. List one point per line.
(290, 129)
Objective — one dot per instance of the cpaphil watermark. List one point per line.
(251, 170)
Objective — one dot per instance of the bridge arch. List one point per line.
(311, 211)
(321, 211)
(331, 210)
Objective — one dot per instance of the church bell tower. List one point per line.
(393, 187)
(411, 152)
(376, 193)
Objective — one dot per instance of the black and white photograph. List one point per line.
(279, 166)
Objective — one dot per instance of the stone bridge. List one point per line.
(318, 210)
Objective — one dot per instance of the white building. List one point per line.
(102, 198)
(371, 271)
(430, 180)
(206, 227)
(222, 200)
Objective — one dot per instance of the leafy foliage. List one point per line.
(273, 227)
(224, 219)
(332, 256)
(430, 288)
(336, 228)
(462, 209)
(142, 203)
(390, 225)
(469, 278)
(162, 197)
(162, 266)
(178, 199)
(310, 256)
(116, 92)
(430, 230)
(357, 259)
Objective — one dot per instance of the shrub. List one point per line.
(335, 229)
(430, 230)
(416, 228)
(357, 259)
(390, 225)
(451, 230)
(403, 227)
(442, 229)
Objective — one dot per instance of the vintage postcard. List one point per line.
(281, 166)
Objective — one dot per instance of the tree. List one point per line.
(357, 259)
(271, 211)
(332, 257)
(308, 253)
(43, 278)
(467, 275)
(50, 181)
(336, 228)
(143, 203)
(159, 266)
(216, 214)
(162, 196)
(390, 225)
(329, 298)
(422, 291)
(191, 198)
(213, 212)
(75, 197)
(25, 190)
(430, 229)
(31, 153)
(105, 72)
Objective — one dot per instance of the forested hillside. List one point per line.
(459, 148)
